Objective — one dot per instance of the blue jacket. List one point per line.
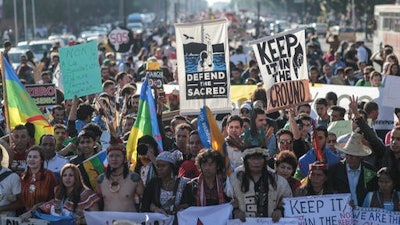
(310, 157)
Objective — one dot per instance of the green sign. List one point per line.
(80, 70)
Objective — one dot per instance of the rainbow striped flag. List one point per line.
(145, 124)
(211, 136)
(19, 106)
(94, 166)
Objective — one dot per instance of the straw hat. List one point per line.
(355, 147)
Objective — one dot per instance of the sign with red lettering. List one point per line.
(43, 94)
(120, 39)
(283, 66)
(320, 209)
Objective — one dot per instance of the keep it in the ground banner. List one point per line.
(282, 62)
(320, 209)
(203, 66)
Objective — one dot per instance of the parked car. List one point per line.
(344, 33)
(320, 28)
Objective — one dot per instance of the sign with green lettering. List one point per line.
(80, 70)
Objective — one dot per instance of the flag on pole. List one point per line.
(19, 106)
(145, 124)
(211, 136)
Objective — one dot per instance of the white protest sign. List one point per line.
(321, 209)
(392, 84)
(206, 215)
(102, 218)
(203, 66)
(283, 65)
(264, 221)
(375, 216)
(17, 221)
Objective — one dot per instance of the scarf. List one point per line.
(201, 199)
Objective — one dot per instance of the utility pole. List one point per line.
(15, 22)
(258, 19)
(34, 19)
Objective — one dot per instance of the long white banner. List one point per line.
(264, 221)
(375, 216)
(107, 218)
(203, 66)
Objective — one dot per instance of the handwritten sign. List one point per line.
(321, 209)
(375, 216)
(42, 94)
(80, 69)
(283, 66)
(17, 221)
(284, 94)
(263, 221)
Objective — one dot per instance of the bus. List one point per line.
(387, 31)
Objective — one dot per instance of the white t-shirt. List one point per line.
(10, 186)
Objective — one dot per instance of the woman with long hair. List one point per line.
(72, 197)
(386, 196)
(37, 183)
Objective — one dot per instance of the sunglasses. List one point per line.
(288, 142)
(331, 141)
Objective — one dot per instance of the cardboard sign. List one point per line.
(42, 94)
(284, 94)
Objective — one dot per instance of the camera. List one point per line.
(142, 149)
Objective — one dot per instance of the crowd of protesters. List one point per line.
(273, 155)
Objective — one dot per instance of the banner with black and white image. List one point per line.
(203, 66)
